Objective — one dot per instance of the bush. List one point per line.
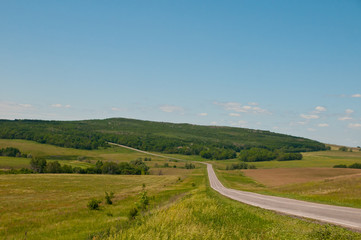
(241, 165)
(94, 204)
(289, 156)
(343, 149)
(133, 213)
(355, 165)
(109, 197)
(38, 165)
(340, 166)
(190, 166)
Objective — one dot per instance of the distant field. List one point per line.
(73, 157)
(310, 159)
(285, 176)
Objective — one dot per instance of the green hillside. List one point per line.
(216, 142)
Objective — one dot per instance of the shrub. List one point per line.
(109, 197)
(190, 166)
(340, 166)
(94, 204)
(241, 165)
(343, 149)
(355, 165)
(132, 213)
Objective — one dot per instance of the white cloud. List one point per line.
(320, 109)
(356, 95)
(354, 125)
(25, 105)
(345, 118)
(234, 114)
(203, 114)
(323, 125)
(349, 111)
(214, 123)
(58, 105)
(309, 116)
(171, 108)
(311, 129)
(238, 107)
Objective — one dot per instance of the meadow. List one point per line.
(182, 205)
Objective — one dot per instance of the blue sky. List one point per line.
(292, 67)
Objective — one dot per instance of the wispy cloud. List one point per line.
(354, 125)
(308, 117)
(345, 118)
(239, 108)
(171, 108)
(234, 114)
(311, 130)
(202, 114)
(58, 105)
(323, 125)
(357, 95)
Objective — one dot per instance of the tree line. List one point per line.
(262, 154)
(135, 167)
(11, 152)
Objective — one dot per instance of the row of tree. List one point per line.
(354, 165)
(241, 165)
(136, 167)
(262, 154)
(11, 152)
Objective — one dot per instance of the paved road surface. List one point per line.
(344, 216)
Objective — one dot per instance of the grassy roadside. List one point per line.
(205, 214)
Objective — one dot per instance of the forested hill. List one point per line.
(209, 141)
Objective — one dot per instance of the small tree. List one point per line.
(109, 197)
(143, 201)
(38, 165)
(53, 167)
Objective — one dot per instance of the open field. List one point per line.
(73, 157)
(311, 179)
(310, 159)
(54, 206)
(285, 176)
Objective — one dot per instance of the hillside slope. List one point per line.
(152, 136)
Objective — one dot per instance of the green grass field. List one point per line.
(54, 206)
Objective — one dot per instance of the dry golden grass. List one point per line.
(285, 176)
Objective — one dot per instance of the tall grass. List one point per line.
(204, 214)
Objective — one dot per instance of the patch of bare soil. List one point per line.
(284, 176)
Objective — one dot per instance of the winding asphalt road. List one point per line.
(343, 216)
